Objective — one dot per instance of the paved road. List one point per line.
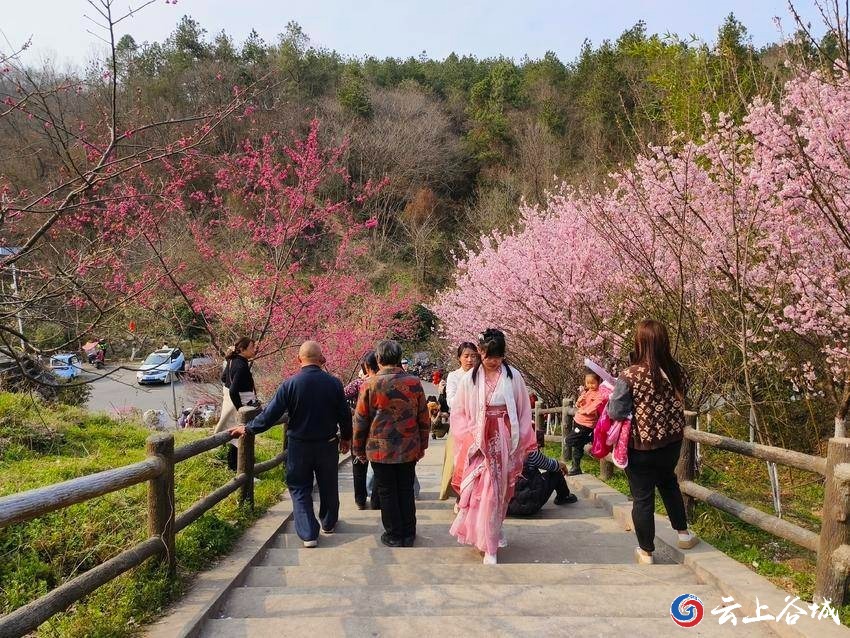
(120, 390)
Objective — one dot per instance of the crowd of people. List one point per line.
(494, 465)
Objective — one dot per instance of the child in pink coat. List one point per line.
(590, 404)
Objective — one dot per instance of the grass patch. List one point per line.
(785, 564)
(41, 445)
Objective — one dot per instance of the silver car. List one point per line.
(161, 366)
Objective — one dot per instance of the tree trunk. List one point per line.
(840, 426)
(842, 409)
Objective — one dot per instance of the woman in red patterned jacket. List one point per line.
(391, 429)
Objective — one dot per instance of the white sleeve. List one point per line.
(452, 383)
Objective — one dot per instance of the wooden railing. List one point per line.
(163, 522)
(832, 544)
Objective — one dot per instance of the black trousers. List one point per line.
(394, 484)
(359, 470)
(555, 482)
(646, 471)
(577, 438)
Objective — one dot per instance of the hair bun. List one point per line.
(490, 334)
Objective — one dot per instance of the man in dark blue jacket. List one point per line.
(317, 408)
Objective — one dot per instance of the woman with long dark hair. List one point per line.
(237, 388)
(467, 357)
(493, 434)
(652, 391)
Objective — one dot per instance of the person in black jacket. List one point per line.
(368, 368)
(319, 430)
(237, 388)
(534, 487)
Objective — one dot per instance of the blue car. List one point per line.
(66, 366)
(161, 366)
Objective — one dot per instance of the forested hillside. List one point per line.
(434, 153)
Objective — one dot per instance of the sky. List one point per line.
(398, 28)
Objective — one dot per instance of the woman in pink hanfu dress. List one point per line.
(492, 425)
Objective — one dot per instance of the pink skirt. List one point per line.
(489, 480)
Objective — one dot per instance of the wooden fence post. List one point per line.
(161, 504)
(606, 469)
(245, 456)
(833, 564)
(538, 418)
(566, 426)
(686, 467)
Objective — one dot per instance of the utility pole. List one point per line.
(8, 252)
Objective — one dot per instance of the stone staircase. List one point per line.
(567, 572)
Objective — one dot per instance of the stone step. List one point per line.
(603, 601)
(544, 541)
(378, 556)
(374, 516)
(474, 626)
(440, 511)
(620, 551)
(410, 574)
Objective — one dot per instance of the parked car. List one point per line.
(203, 369)
(161, 366)
(66, 365)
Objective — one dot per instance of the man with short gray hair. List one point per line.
(391, 430)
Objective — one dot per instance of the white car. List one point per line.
(161, 366)
(66, 366)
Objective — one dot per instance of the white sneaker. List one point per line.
(687, 540)
(327, 532)
(643, 558)
(313, 543)
(490, 559)
(503, 540)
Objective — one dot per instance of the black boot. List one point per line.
(575, 468)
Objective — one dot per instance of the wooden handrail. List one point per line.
(557, 411)
(832, 544)
(200, 507)
(163, 524)
(200, 446)
(24, 619)
(265, 466)
(772, 524)
(17, 508)
(790, 458)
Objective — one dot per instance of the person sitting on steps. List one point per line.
(534, 487)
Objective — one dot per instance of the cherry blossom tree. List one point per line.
(139, 214)
(278, 248)
(71, 230)
(738, 241)
(801, 150)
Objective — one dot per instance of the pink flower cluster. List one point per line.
(740, 242)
